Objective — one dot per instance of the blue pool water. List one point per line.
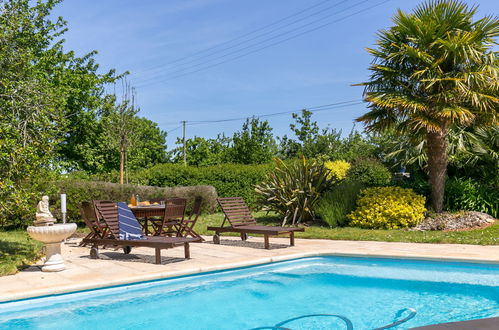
(368, 291)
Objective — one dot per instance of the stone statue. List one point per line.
(43, 215)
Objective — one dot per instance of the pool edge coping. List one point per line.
(55, 291)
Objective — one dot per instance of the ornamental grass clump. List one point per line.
(293, 189)
(388, 208)
(338, 202)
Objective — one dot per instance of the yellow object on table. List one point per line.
(133, 201)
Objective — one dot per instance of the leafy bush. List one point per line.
(471, 195)
(228, 179)
(370, 172)
(294, 189)
(388, 208)
(418, 181)
(18, 200)
(338, 169)
(337, 203)
(78, 191)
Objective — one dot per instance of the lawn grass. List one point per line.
(487, 236)
(17, 249)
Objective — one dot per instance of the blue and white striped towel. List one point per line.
(129, 226)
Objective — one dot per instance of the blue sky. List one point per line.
(153, 40)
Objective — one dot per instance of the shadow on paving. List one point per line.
(255, 245)
(132, 257)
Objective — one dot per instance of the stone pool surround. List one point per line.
(116, 268)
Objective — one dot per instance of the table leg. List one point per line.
(187, 251)
(266, 241)
(158, 256)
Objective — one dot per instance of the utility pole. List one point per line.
(183, 142)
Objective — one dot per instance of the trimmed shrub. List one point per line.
(388, 208)
(471, 195)
(78, 191)
(370, 172)
(337, 203)
(294, 189)
(229, 180)
(338, 169)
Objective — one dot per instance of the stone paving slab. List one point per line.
(116, 268)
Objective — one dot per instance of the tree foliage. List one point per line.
(435, 69)
(254, 144)
(41, 87)
(203, 152)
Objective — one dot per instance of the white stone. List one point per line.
(52, 237)
(43, 215)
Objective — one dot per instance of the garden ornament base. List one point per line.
(52, 236)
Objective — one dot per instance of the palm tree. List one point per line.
(435, 69)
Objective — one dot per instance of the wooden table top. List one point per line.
(147, 207)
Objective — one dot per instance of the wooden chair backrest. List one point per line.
(87, 212)
(175, 208)
(108, 212)
(236, 211)
(196, 208)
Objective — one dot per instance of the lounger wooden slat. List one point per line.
(108, 213)
(240, 219)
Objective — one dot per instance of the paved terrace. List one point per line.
(115, 268)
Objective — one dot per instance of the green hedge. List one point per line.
(228, 179)
(80, 190)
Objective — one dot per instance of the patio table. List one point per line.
(144, 212)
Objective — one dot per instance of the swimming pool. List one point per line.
(368, 291)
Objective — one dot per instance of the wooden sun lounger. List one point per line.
(108, 213)
(242, 221)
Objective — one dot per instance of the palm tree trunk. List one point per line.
(437, 166)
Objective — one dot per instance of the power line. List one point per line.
(266, 46)
(195, 55)
(246, 34)
(311, 109)
(173, 129)
(325, 107)
(256, 43)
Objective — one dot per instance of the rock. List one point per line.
(455, 221)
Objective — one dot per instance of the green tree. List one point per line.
(121, 127)
(148, 145)
(40, 86)
(202, 152)
(97, 148)
(305, 129)
(307, 134)
(254, 144)
(435, 69)
(312, 141)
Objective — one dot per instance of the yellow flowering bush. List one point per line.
(338, 169)
(388, 208)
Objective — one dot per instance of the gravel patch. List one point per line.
(455, 221)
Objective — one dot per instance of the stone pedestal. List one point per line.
(53, 261)
(52, 236)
